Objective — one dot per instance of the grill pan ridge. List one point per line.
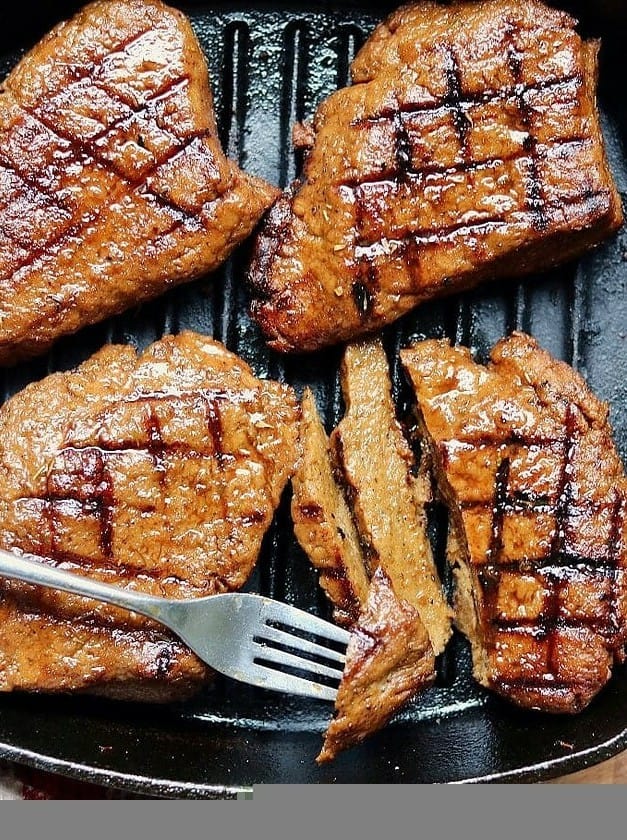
(270, 65)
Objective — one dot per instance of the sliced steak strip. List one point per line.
(323, 523)
(377, 466)
(376, 524)
(389, 659)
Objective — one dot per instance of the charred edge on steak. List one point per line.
(347, 606)
(274, 232)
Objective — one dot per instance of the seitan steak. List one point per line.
(158, 472)
(113, 183)
(376, 523)
(524, 457)
(467, 148)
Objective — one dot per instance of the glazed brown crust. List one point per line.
(158, 473)
(468, 148)
(389, 659)
(114, 184)
(524, 456)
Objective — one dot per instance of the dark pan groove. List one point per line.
(295, 47)
(234, 109)
(349, 40)
(235, 88)
(270, 66)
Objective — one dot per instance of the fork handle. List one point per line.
(28, 568)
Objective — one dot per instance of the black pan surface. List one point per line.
(270, 64)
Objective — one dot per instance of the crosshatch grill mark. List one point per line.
(457, 102)
(87, 153)
(100, 499)
(556, 566)
(535, 193)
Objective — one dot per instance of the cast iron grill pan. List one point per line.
(270, 65)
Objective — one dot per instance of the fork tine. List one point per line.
(293, 617)
(266, 677)
(273, 634)
(280, 657)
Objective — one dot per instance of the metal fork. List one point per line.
(247, 637)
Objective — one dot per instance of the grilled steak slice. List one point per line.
(376, 464)
(524, 456)
(158, 473)
(467, 148)
(323, 523)
(114, 184)
(389, 659)
(390, 656)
